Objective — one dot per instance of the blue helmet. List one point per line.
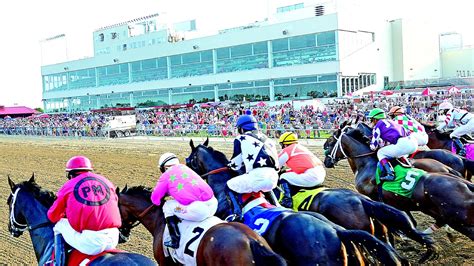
(247, 122)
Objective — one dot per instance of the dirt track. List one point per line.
(133, 162)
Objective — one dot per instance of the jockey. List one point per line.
(86, 210)
(416, 129)
(256, 155)
(192, 198)
(456, 116)
(388, 132)
(306, 170)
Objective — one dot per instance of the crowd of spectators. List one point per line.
(308, 121)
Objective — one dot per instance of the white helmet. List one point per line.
(446, 106)
(167, 159)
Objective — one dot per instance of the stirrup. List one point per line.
(233, 218)
(170, 244)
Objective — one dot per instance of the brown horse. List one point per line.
(222, 244)
(461, 166)
(447, 199)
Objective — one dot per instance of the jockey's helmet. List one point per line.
(167, 159)
(288, 138)
(446, 106)
(247, 123)
(377, 113)
(79, 163)
(396, 110)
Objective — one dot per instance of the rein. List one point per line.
(338, 146)
(19, 227)
(143, 214)
(216, 171)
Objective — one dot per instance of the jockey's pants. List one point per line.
(421, 138)
(463, 129)
(195, 211)
(404, 146)
(88, 242)
(310, 178)
(260, 179)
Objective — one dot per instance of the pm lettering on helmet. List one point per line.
(92, 191)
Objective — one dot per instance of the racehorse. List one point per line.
(448, 199)
(29, 204)
(222, 244)
(440, 154)
(350, 210)
(303, 238)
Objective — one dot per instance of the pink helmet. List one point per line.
(78, 163)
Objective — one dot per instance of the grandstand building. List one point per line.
(307, 50)
(304, 51)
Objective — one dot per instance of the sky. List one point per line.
(25, 22)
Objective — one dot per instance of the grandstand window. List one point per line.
(249, 94)
(262, 83)
(302, 41)
(281, 81)
(326, 38)
(150, 69)
(327, 77)
(241, 50)
(304, 80)
(242, 57)
(280, 45)
(201, 97)
(82, 78)
(112, 75)
(191, 64)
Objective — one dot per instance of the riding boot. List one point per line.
(287, 200)
(460, 150)
(387, 173)
(59, 250)
(172, 223)
(236, 215)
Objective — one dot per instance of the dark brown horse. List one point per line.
(448, 199)
(222, 244)
(460, 164)
(297, 236)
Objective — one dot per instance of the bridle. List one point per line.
(141, 216)
(338, 147)
(17, 227)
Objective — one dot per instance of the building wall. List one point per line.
(397, 50)
(458, 63)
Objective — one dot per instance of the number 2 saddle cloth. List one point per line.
(191, 236)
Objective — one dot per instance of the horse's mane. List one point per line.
(357, 135)
(138, 191)
(219, 156)
(44, 196)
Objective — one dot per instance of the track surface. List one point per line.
(133, 162)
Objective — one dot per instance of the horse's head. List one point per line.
(335, 149)
(25, 195)
(132, 204)
(204, 158)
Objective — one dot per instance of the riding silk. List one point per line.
(191, 236)
(253, 151)
(455, 116)
(89, 202)
(183, 184)
(260, 219)
(469, 150)
(258, 155)
(405, 181)
(386, 132)
(306, 170)
(416, 129)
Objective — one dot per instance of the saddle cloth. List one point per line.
(191, 235)
(259, 219)
(469, 150)
(77, 258)
(406, 179)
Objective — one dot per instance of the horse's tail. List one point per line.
(262, 255)
(385, 254)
